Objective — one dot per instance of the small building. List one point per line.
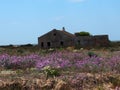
(85, 41)
(101, 40)
(62, 38)
(92, 41)
(56, 39)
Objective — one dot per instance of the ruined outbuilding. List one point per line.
(62, 38)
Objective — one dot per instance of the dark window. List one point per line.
(78, 41)
(54, 34)
(48, 44)
(61, 43)
(42, 44)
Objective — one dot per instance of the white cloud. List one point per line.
(76, 0)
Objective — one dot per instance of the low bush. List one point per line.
(83, 33)
(92, 54)
(51, 72)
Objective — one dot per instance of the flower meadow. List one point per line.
(65, 60)
(79, 69)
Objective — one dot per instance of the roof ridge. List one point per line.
(67, 33)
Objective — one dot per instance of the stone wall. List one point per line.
(101, 40)
(91, 41)
(61, 38)
(55, 39)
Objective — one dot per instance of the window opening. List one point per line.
(48, 44)
(54, 34)
(42, 44)
(61, 43)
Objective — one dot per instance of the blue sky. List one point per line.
(23, 21)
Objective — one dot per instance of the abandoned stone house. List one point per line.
(62, 38)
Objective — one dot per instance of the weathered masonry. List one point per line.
(92, 41)
(55, 39)
(62, 38)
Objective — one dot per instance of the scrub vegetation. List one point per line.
(29, 68)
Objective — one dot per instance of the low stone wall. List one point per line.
(91, 41)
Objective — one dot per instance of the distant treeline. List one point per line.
(24, 45)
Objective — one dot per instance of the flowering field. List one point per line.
(72, 66)
(81, 61)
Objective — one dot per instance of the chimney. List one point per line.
(63, 28)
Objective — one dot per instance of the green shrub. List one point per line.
(92, 54)
(50, 72)
(83, 33)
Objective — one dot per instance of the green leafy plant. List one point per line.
(50, 72)
(92, 54)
